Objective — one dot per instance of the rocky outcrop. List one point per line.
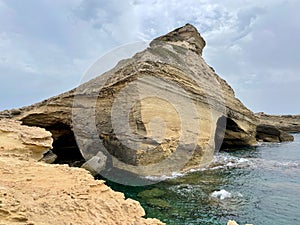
(38, 193)
(288, 123)
(269, 133)
(163, 110)
(17, 138)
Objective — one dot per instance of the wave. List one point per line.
(222, 194)
(165, 177)
(224, 160)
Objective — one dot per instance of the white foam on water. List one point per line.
(222, 194)
(186, 189)
(221, 161)
(225, 161)
(165, 177)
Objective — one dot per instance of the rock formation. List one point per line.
(18, 138)
(274, 128)
(38, 193)
(288, 123)
(269, 133)
(34, 192)
(163, 110)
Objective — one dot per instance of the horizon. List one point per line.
(252, 45)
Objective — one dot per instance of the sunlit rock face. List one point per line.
(163, 110)
(18, 138)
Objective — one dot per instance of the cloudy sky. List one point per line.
(46, 46)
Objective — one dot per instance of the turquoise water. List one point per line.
(259, 185)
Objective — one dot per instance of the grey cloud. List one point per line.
(276, 39)
(252, 44)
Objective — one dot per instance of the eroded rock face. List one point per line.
(269, 133)
(15, 137)
(37, 193)
(163, 110)
(288, 123)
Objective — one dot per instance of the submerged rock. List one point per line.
(152, 193)
(158, 203)
(163, 110)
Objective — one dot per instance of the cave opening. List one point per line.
(64, 142)
(65, 146)
(228, 135)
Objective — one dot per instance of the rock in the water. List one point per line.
(18, 138)
(163, 110)
(269, 133)
(152, 193)
(96, 164)
(287, 123)
(158, 203)
(153, 198)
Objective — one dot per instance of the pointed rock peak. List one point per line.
(187, 35)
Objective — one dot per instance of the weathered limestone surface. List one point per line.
(163, 106)
(269, 133)
(288, 123)
(15, 137)
(40, 194)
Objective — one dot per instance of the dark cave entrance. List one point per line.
(228, 135)
(64, 142)
(65, 146)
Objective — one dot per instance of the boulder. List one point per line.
(48, 157)
(269, 133)
(18, 138)
(162, 111)
(96, 164)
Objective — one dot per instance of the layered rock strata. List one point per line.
(15, 137)
(161, 111)
(288, 123)
(269, 133)
(37, 193)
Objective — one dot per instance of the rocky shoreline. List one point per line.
(38, 193)
(33, 192)
(287, 123)
(169, 81)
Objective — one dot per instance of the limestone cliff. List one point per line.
(163, 110)
(288, 123)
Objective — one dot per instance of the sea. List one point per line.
(256, 185)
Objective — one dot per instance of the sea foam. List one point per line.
(222, 194)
